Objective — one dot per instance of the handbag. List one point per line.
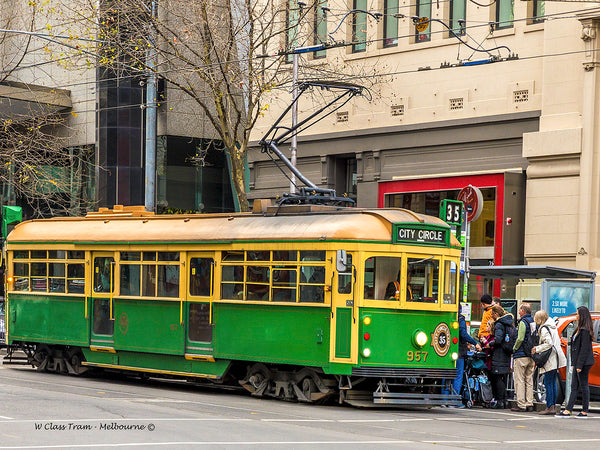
(540, 359)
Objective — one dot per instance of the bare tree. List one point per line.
(38, 166)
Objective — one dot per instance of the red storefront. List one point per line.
(503, 214)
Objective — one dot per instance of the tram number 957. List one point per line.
(416, 356)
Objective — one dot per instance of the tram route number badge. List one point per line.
(440, 339)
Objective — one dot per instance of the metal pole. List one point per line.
(150, 166)
(294, 143)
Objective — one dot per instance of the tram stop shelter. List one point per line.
(563, 289)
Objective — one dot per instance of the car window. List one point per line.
(597, 330)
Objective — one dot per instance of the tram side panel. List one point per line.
(272, 333)
(58, 320)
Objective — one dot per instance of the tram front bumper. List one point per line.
(416, 399)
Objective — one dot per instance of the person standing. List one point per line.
(523, 365)
(486, 306)
(500, 357)
(463, 342)
(549, 339)
(582, 360)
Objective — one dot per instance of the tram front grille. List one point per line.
(403, 372)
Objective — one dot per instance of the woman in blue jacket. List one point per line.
(582, 360)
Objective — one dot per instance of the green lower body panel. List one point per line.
(272, 333)
(52, 319)
(153, 363)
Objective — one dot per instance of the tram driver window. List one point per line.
(424, 280)
(201, 276)
(381, 275)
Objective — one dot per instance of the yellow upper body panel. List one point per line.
(340, 224)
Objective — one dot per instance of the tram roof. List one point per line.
(325, 225)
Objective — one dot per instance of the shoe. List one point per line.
(517, 409)
(457, 406)
(550, 411)
(581, 416)
(563, 414)
(529, 408)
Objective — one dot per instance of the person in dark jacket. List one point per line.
(582, 360)
(463, 343)
(500, 357)
(523, 365)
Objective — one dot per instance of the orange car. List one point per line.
(563, 324)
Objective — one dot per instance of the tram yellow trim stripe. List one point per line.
(141, 369)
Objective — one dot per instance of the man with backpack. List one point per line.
(523, 365)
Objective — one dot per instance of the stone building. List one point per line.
(519, 120)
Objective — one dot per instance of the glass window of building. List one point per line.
(504, 13)
(359, 27)
(423, 9)
(320, 27)
(390, 23)
(457, 17)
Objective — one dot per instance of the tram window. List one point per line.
(424, 280)
(21, 284)
(168, 256)
(312, 256)
(102, 323)
(201, 276)
(148, 280)
(284, 255)
(233, 256)
(259, 256)
(380, 274)
(103, 266)
(21, 269)
(284, 284)
(75, 278)
(450, 282)
(39, 254)
(149, 256)
(56, 272)
(345, 278)
(313, 291)
(130, 256)
(76, 254)
(57, 254)
(21, 254)
(168, 281)
(38, 269)
(130, 279)
(257, 279)
(200, 329)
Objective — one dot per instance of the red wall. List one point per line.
(448, 183)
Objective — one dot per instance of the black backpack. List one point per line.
(510, 337)
(530, 339)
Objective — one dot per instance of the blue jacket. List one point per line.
(463, 337)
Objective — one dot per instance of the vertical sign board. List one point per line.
(563, 297)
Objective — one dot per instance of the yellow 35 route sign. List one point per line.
(421, 24)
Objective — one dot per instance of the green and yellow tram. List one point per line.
(295, 302)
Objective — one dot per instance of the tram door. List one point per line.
(103, 281)
(344, 339)
(199, 324)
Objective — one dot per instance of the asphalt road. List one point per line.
(45, 411)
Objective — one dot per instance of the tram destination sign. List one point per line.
(420, 234)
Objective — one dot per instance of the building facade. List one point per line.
(102, 109)
(518, 120)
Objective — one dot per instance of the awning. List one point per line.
(20, 101)
(530, 272)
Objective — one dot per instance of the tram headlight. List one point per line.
(454, 356)
(367, 320)
(420, 339)
(455, 325)
(366, 352)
